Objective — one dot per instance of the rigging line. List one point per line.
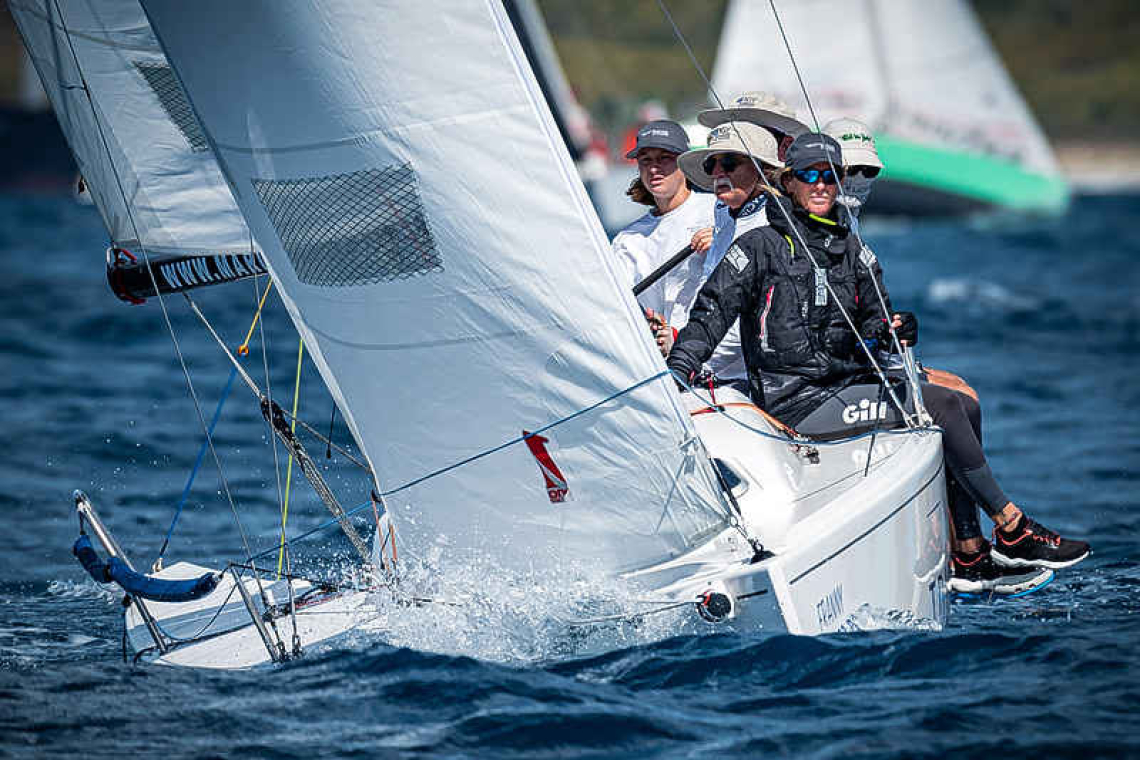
(795, 66)
(323, 526)
(243, 349)
(685, 44)
(276, 416)
(150, 271)
(854, 220)
(197, 464)
(289, 466)
(521, 438)
(815, 120)
(252, 385)
(265, 368)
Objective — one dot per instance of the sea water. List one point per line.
(1041, 316)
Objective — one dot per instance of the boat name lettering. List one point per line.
(829, 608)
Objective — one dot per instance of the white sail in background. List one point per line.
(921, 72)
(178, 200)
(439, 257)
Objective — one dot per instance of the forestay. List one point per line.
(175, 195)
(440, 258)
(921, 72)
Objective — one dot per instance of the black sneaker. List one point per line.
(1033, 545)
(977, 574)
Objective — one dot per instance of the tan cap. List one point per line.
(733, 137)
(856, 140)
(757, 108)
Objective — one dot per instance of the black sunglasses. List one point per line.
(729, 163)
(811, 176)
(870, 172)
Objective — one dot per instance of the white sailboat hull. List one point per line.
(843, 550)
(848, 550)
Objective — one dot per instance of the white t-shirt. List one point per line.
(648, 243)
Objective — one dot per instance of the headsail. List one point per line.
(924, 76)
(439, 255)
(137, 128)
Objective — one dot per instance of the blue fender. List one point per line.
(138, 584)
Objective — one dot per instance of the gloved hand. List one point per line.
(906, 327)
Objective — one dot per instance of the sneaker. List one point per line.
(1033, 545)
(977, 573)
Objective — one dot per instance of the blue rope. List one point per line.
(197, 464)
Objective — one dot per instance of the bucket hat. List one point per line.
(757, 108)
(732, 137)
(856, 140)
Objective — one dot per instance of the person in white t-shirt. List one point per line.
(678, 217)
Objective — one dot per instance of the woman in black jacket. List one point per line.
(799, 311)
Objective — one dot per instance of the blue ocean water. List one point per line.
(1041, 316)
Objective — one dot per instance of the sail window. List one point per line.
(165, 85)
(359, 228)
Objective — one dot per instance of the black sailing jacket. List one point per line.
(798, 347)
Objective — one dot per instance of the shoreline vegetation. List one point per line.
(1076, 65)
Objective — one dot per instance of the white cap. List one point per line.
(856, 140)
(758, 108)
(733, 137)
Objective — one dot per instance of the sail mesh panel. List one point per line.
(165, 85)
(358, 228)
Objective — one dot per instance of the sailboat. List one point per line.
(422, 221)
(953, 131)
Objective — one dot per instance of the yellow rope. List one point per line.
(243, 349)
(289, 467)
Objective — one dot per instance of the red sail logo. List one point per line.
(556, 487)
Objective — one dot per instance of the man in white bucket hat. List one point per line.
(758, 107)
(860, 160)
(732, 166)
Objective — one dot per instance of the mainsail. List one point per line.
(924, 76)
(439, 256)
(137, 143)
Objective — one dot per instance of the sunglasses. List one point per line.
(729, 163)
(811, 176)
(870, 172)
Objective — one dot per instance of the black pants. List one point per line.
(858, 408)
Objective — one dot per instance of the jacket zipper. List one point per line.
(764, 319)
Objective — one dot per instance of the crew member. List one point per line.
(804, 361)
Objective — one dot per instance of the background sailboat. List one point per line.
(950, 125)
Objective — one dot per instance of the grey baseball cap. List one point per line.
(663, 134)
(813, 148)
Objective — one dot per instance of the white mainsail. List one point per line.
(436, 250)
(136, 128)
(922, 72)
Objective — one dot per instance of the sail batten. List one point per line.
(436, 250)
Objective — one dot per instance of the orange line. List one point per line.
(745, 405)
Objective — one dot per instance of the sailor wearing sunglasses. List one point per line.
(861, 161)
(806, 366)
(733, 166)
